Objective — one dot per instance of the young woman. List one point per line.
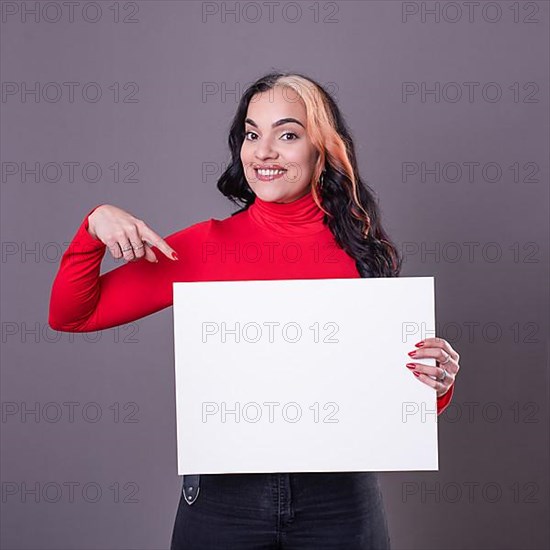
(305, 214)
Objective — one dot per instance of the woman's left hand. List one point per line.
(446, 360)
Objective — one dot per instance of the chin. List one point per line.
(272, 194)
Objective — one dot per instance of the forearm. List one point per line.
(76, 288)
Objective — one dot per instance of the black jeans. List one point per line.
(296, 511)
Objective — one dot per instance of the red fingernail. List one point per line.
(420, 344)
(416, 373)
(411, 366)
(175, 256)
(412, 353)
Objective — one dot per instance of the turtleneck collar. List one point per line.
(299, 217)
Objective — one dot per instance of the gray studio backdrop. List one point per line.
(129, 103)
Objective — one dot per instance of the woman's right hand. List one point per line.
(125, 235)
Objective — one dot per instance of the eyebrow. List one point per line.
(278, 123)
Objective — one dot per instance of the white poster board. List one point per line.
(303, 375)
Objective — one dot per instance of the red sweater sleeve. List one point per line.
(82, 300)
(445, 399)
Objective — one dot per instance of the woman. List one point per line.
(306, 214)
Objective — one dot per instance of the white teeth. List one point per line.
(270, 172)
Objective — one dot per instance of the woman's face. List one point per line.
(272, 142)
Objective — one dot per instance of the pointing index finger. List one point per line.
(156, 240)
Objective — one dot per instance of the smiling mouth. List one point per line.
(268, 174)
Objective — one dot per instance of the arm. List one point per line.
(82, 300)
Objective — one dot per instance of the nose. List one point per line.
(265, 150)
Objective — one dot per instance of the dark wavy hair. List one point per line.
(351, 210)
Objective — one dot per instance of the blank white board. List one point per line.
(303, 375)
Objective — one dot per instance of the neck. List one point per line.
(299, 217)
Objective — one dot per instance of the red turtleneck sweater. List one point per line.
(265, 242)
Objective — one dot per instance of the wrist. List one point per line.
(90, 230)
(90, 223)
